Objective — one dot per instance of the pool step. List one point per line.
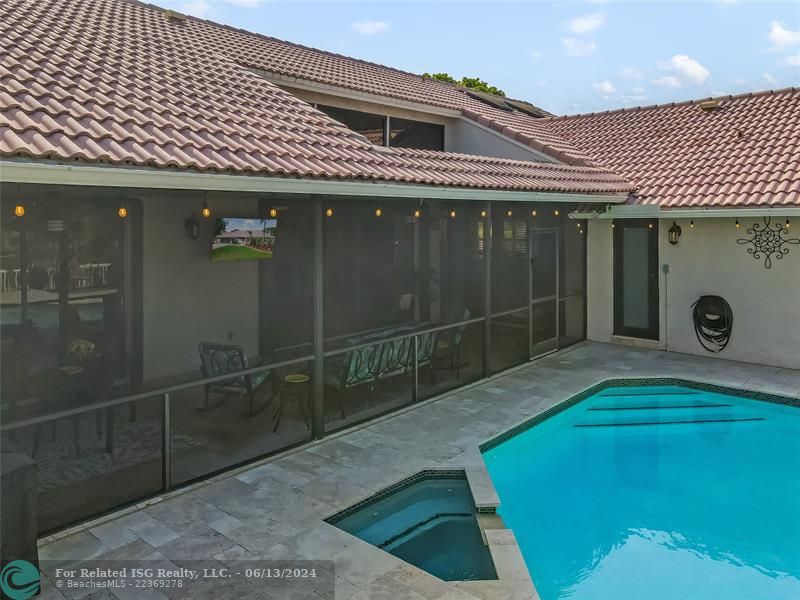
(658, 406)
(692, 422)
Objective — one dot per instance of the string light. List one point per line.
(378, 212)
(533, 213)
(19, 210)
(483, 214)
(649, 225)
(788, 224)
(452, 214)
(691, 224)
(737, 223)
(508, 214)
(328, 212)
(273, 212)
(556, 212)
(417, 214)
(206, 212)
(122, 212)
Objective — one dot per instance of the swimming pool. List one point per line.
(427, 520)
(656, 492)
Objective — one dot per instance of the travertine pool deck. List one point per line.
(275, 510)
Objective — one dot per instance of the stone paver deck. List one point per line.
(275, 510)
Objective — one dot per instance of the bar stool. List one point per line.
(294, 385)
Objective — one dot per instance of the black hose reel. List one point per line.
(713, 322)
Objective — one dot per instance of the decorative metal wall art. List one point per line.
(768, 240)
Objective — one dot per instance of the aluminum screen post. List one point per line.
(318, 408)
(415, 383)
(166, 444)
(487, 288)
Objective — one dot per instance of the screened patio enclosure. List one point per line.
(137, 356)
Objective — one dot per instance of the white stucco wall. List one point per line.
(187, 298)
(707, 260)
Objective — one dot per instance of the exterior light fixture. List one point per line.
(787, 223)
(613, 225)
(378, 212)
(192, 226)
(674, 233)
(508, 213)
(556, 212)
(19, 210)
(452, 214)
(206, 212)
(737, 223)
(483, 214)
(328, 212)
(417, 214)
(533, 213)
(122, 212)
(649, 225)
(691, 224)
(273, 212)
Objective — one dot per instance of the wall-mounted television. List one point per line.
(243, 239)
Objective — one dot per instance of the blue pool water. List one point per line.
(654, 493)
(429, 523)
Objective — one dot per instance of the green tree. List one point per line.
(473, 83)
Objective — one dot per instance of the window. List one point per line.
(404, 133)
(371, 126)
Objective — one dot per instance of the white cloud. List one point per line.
(770, 79)
(669, 81)
(587, 23)
(536, 55)
(631, 98)
(605, 87)
(793, 60)
(638, 90)
(577, 47)
(196, 8)
(686, 70)
(781, 36)
(368, 27)
(631, 73)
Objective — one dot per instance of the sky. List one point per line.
(567, 57)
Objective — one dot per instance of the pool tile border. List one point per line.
(633, 382)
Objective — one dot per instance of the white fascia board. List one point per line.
(331, 90)
(129, 177)
(655, 212)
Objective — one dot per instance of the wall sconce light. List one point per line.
(674, 233)
(192, 226)
(737, 224)
(483, 214)
(417, 214)
(556, 212)
(206, 212)
(691, 224)
(533, 213)
(452, 214)
(509, 213)
(328, 212)
(378, 212)
(273, 213)
(19, 210)
(787, 223)
(122, 212)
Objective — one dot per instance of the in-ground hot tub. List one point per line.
(427, 520)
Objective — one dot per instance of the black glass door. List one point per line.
(636, 278)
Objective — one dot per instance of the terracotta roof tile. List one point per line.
(129, 86)
(746, 152)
